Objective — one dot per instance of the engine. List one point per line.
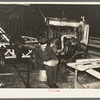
(66, 35)
(66, 43)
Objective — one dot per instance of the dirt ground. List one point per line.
(65, 76)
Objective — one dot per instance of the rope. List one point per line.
(41, 13)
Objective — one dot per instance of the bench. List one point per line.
(87, 65)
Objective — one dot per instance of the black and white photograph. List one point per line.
(44, 46)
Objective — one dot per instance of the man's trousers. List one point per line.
(51, 74)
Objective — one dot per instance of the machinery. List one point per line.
(13, 49)
(67, 36)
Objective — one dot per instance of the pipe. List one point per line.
(62, 42)
(68, 36)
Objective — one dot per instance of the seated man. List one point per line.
(46, 60)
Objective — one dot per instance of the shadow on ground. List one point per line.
(65, 76)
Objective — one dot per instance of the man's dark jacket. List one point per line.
(42, 56)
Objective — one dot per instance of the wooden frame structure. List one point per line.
(87, 65)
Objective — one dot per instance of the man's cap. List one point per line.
(43, 40)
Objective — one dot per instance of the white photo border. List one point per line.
(49, 93)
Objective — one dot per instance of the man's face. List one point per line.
(43, 46)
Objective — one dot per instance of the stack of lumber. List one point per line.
(94, 47)
(87, 65)
(84, 64)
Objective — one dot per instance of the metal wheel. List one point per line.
(78, 55)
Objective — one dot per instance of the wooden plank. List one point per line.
(87, 60)
(93, 73)
(94, 41)
(83, 67)
(94, 52)
(94, 85)
(94, 45)
(78, 85)
(93, 56)
(94, 38)
(1, 84)
(76, 78)
(2, 74)
(85, 63)
(29, 46)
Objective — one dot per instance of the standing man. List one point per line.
(46, 60)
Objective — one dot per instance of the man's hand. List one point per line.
(54, 61)
(51, 63)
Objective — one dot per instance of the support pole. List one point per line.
(76, 78)
(28, 75)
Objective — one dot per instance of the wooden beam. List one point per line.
(78, 85)
(94, 45)
(93, 73)
(94, 41)
(1, 74)
(87, 60)
(84, 66)
(93, 55)
(94, 38)
(1, 84)
(94, 52)
(94, 85)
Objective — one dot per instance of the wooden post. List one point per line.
(76, 78)
(28, 75)
(77, 84)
